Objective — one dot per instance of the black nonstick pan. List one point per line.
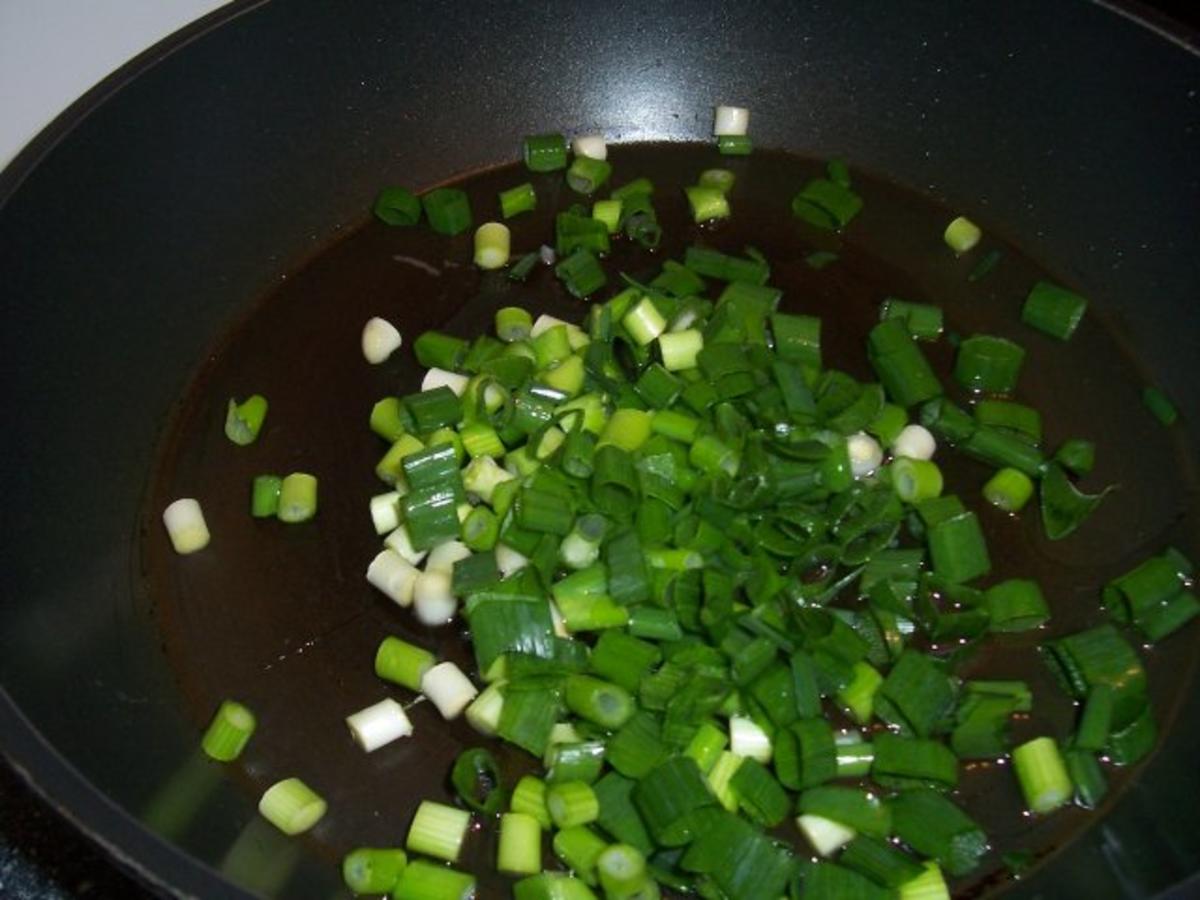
(145, 222)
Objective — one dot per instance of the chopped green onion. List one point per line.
(935, 827)
(529, 797)
(552, 886)
(448, 688)
(622, 873)
(229, 731)
(545, 152)
(519, 850)
(438, 830)
(1016, 605)
(448, 210)
(184, 521)
(476, 780)
(1008, 490)
(423, 880)
(988, 363)
(901, 366)
(734, 145)
(491, 245)
(402, 663)
(644, 322)
(373, 870)
(915, 480)
(923, 320)
(579, 847)
(608, 212)
(720, 179)
(244, 420)
(826, 204)
(962, 235)
(264, 496)
(581, 273)
(958, 549)
(517, 200)
(601, 702)
(1053, 310)
(397, 206)
(707, 203)
(379, 724)
(1160, 406)
(1042, 775)
(572, 803)
(1064, 506)
(291, 806)
(668, 799)
(586, 175)
(380, 339)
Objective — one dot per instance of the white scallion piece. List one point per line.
(433, 601)
(186, 526)
(547, 255)
(484, 712)
(443, 557)
(590, 145)
(448, 689)
(560, 625)
(731, 120)
(380, 339)
(436, 378)
(379, 724)
(825, 835)
(915, 442)
(385, 512)
(394, 575)
(747, 739)
(509, 560)
(400, 541)
(865, 454)
(545, 323)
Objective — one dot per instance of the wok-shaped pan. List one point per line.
(146, 219)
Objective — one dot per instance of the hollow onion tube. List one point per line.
(433, 598)
(243, 421)
(297, 498)
(184, 521)
(438, 830)
(519, 851)
(402, 663)
(291, 806)
(373, 870)
(1042, 774)
(423, 880)
(589, 145)
(229, 731)
(379, 724)
(731, 120)
(572, 803)
(962, 235)
(448, 688)
(395, 576)
(492, 242)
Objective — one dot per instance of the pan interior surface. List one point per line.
(148, 222)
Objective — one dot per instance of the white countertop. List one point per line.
(52, 51)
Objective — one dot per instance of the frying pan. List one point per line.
(140, 226)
